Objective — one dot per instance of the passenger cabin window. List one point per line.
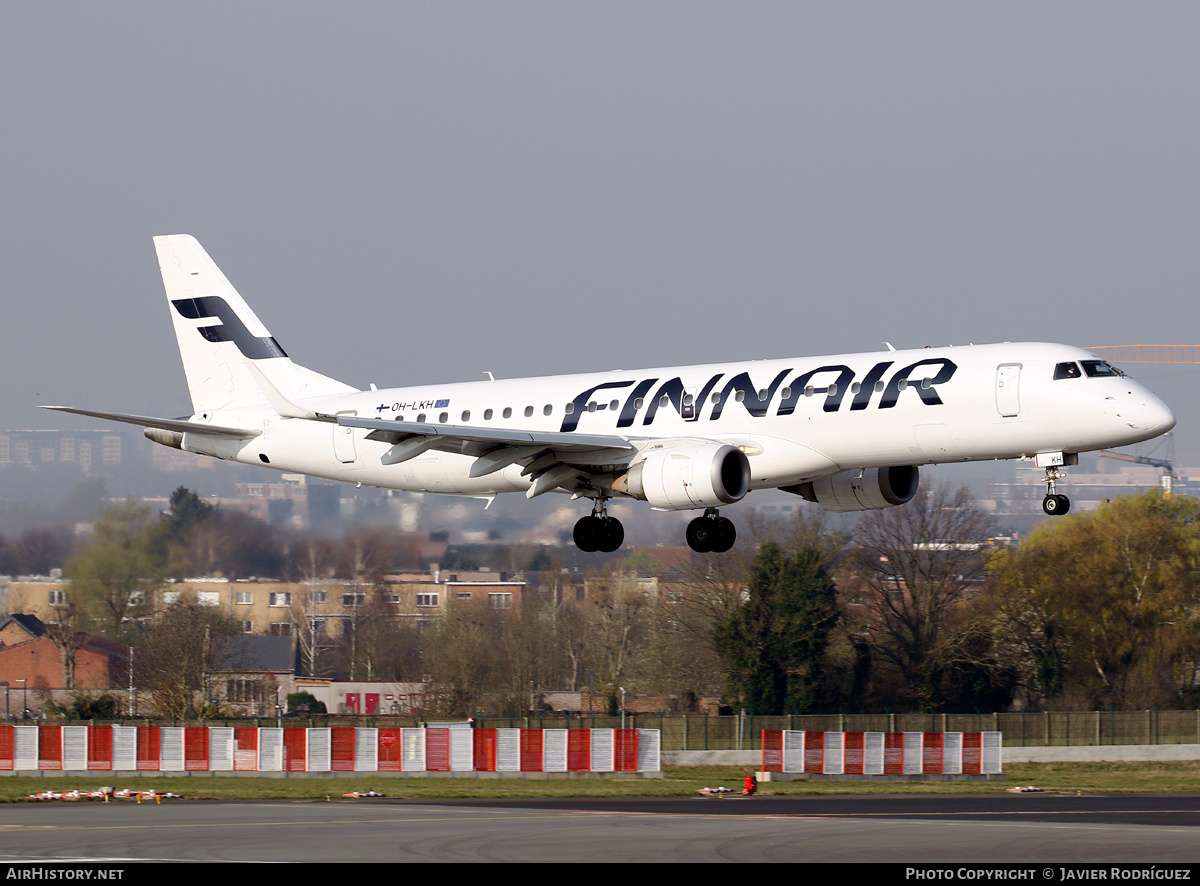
(1066, 370)
(507, 412)
(487, 415)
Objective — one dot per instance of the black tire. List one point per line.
(1064, 504)
(701, 534)
(1056, 505)
(726, 535)
(589, 533)
(613, 534)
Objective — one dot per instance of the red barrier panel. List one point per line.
(195, 748)
(932, 748)
(814, 753)
(485, 749)
(625, 750)
(893, 753)
(7, 747)
(245, 748)
(149, 748)
(99, 747)
(972, 753)
(388, 748)
(295, 750)
(341, 749)
(855, 759)
(437, 749)
(579, 750)
(49, 747)
(772, 750)
(531, 750)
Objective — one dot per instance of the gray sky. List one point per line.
(416, 192)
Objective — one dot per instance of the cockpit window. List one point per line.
(1067, 370)
(1100, 369)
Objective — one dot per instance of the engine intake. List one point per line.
(872, 489)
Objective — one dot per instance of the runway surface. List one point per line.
(1154, 828)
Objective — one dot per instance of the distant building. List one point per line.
(88, 449)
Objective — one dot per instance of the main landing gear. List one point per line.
(598, 531)
(1052, 504)
(711, 533)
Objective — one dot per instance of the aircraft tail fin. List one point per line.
(219, 335)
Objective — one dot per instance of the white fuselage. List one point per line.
(796, 419)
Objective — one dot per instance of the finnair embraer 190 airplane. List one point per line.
(847, 431)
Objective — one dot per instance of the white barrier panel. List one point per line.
(25, 747)
(793, 750)
(873, 753)
(124, 747)
(508, 750)
(992, 750)
(603, 750)
(220, 748)
(170, 754)
(952, 753)
(462, 750)
(74, 747)
(554, 750)
(835, 753)
(318, 749)
(914, 753)
(366, 749)
(270, 749)
(412, 750)
(648, 751)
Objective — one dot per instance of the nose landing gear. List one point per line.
(711, 533)
(1052, 504)
(598, 531)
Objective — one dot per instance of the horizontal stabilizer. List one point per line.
(166, 424)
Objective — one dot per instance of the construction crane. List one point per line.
(1168, 477)
(1148, 353)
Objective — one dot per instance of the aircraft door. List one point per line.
(343, 442)
(1008, 389)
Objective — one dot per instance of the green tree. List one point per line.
(773, 644)
(116, 575)
(1103, 608)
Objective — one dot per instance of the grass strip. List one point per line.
(1170, 776)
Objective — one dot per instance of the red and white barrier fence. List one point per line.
(882, 753)
(332, 749)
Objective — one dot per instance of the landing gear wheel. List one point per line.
(701, 533)
(1056, 505)
(614, 534)
(588, 534)
(711, 534)
(726, 535)
(594, 533)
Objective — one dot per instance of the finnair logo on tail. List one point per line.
(230, 328)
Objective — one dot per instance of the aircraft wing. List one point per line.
(392, 431)
(551, 459)
(166, 424)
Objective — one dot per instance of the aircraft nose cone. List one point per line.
(1158, 416)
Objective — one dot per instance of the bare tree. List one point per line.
(915, 565)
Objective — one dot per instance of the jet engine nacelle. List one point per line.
(867, 490)
(685, 477)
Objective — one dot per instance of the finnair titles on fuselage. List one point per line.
(847, 431)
